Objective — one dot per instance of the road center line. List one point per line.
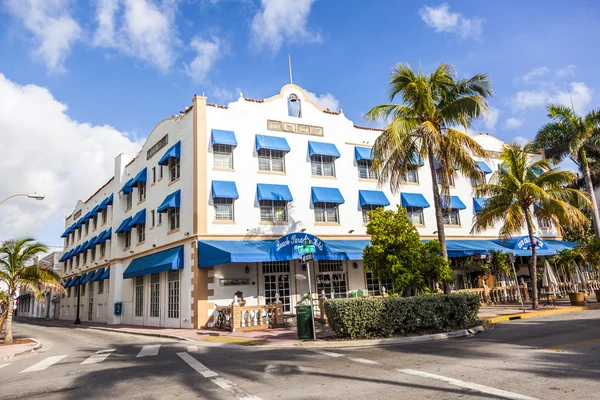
(468, 385)
(149, 350)
(45, 363)
(197, 365)
(327, 353)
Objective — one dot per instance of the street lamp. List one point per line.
(30, 195)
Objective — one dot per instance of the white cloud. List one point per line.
(327, 100)
(280, 21)
(222, 95)
(579, 96)
(521, 140)
(140, 29)
(535, 73)
(568, 71)
(490, 119)
(513, 123)
(207, 53)
(442, 20)
(53, 28)
(52, 154)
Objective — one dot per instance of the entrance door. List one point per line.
(331, 279)
(277, 281)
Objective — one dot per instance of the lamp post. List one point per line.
(30, 195)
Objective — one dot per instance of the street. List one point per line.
(543, 358)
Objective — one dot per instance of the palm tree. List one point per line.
(523, 188)
(18, 270)
(424, 126)
(574, 136)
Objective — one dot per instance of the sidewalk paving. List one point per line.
(487, 312)
(11, 351)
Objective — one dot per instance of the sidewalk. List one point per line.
(487, 312)
(11, 351)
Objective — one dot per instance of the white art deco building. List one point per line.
(217, 200)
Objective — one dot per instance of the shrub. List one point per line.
(369, 317)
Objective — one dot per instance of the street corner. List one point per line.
(21, 346)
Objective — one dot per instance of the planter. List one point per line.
(597, 295)
(577, 299)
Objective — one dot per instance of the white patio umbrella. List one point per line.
(548, 278)
(580, 279)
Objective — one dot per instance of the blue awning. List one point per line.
(23, 296)
(271, 143)
(353, 249)
(124, 226)
(416, 161)
(83, 247)
(478, 203)
(74, 281)
(484, 167)
(106, 236)
(273, 192)
(95, 210)
(66, 232)
(326, 195)
(66, 282)
(105, 203)
(138, 219)
(78, 223)
(171, 201)
(101, 237)
(140, 177)
(413, 200)
(75, 251)
(173, 152)
(93, 242)
(362, 153)
(454, 203)
(97, 275)
(223, 137)
(166, 260)
(224, 190)
(85, 218)
(373, 198)
(106, 274)
(127, 187)
(322, 149)
(65, 256)
(86, 277)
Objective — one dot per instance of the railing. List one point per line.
(564, 288)
(249, 318)
(480, 291)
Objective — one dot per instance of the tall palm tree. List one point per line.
(18, 270)
(524, 188)
(424, 126)
(574, 136)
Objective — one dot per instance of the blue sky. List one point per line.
(106, 72)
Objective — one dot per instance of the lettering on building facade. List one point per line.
(156, 148)
(234, 282)
(77, 214)
(294, 128)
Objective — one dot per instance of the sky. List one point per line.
(81, 82)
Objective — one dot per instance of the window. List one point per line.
(154, 295)
(161, 172)
(101, 287)
(415, 215)
(87, 227)
(223, 209)
(271, 160)
(153, 174)
(544, 224)
(173, 295)
(93, 256)
(438, 177)
(95, 222)
(411, 176)
(139, 296)
(374, 286)
(104, 216)
(365, 212)
(159, 218)
(174, 168)
(77, 260)
(326, 212)
(294, 106)
(331, 279)
(142, 191)
(153, 213)
(84, 257)
(127, 238)
(365, 170)
(223, 156)
(67, 241)
(173, 214)
(141, 233)
(322, 165)
(129, 200)
(102, 249)
(70, 264)
(451, 217)
(273, 211)
(68, 292)
(82, 288)
(79, 233)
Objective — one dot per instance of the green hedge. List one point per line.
(369, 317)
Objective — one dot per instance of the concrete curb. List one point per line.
(37, 345)
(490, 322)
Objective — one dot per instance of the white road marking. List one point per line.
(45, 363)
(100, 356)
(4, 365)
(149, 350)
(215, 378)
(364, 361)
(105, 351)
(327, 353)
(469, 385)
(192, 349)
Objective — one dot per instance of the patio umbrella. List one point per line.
(548, 278)
(579, 276)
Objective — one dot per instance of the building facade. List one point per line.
(217, 200)
(27, 305)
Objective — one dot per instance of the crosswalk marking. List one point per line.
(149, 350)
(327, 353)
(100, 356)
(197, 365)
(4, 365)
(192, 349)
(105, 351)
(44, 363)
(364, 361)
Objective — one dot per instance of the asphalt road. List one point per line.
(555, 357)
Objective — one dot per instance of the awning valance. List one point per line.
(140, 177)
(273, 192)
(372, 198)
(166, 260)
(452, 203)
(326, 195)
(173, 152)
(171, 201)
(271, 143)
(127, 187)
(138, 219)
(362, 153)
(323, 149)
(124, 226)
(484, 167)
(224, 190)
(413, 200)
(223, 137)
(478, 203)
